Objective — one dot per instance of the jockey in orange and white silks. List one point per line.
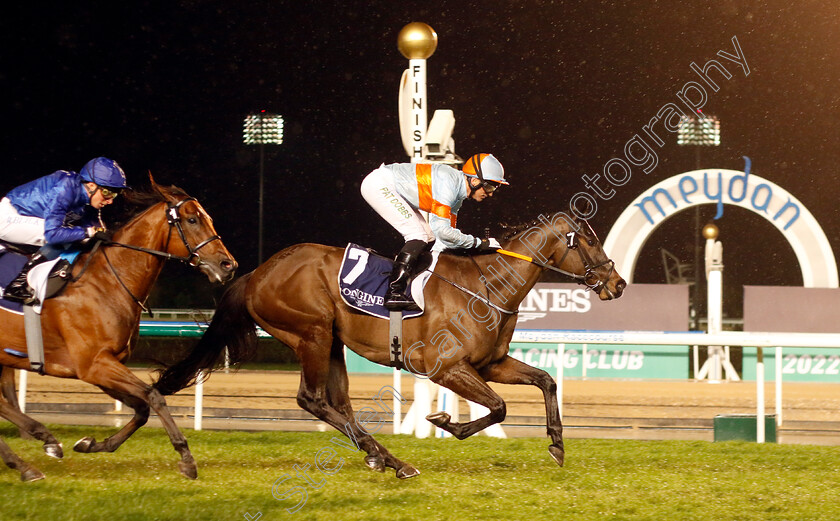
(400, 192)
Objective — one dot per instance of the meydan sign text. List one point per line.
(721, 187)
(736, 189)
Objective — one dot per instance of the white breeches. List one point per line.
(19, 229)
(380, 192)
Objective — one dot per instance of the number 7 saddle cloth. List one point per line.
(363, 281)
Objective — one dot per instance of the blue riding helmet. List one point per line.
(104, 172)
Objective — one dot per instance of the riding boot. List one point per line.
(395, 298)
(18, 289)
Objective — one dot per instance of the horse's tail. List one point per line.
(232, 327)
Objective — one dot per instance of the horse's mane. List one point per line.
(134, 201)
(512, 230)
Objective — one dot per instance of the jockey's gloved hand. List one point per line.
(99, 233)
(488, 245)
(103, 235)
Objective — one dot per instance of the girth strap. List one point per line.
(395, 339)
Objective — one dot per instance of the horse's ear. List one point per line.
(155, 186)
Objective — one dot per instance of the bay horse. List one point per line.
(460, 342)
(88, 328)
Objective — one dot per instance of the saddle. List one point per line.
(48, 278)
(363, 280)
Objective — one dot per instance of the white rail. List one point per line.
(561, 338)
(728, 338)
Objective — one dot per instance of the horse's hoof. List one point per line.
(84, 444)
(557, 454)
(188, 469)
(375, 463)
(407, 471)
(54, 450)
(439, 418)
(31, 474)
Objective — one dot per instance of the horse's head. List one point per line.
(572, 247)
(192, 236)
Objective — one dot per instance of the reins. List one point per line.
(571, 244)
(483, 299)
(575, 276)
(173, 218)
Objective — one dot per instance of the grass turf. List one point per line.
(476, 479)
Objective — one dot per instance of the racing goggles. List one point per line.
(490, 186)
(110, 193)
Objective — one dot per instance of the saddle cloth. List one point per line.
(38, 277)
(363, 282)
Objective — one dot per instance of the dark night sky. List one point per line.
(554, 89)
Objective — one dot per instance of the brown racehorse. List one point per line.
(88, 328)
(461, 341)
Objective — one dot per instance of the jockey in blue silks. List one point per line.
(56, 211)
(400, 192)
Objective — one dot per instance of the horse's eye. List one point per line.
(192, 220)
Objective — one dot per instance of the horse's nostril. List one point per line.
(227, 265)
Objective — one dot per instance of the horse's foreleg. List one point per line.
(512, 371)
(7, 389)
(89, 444)
(463, 379)
(187, 464)
(13, 461)
(26, 424)
(338, 397)
(114, 378)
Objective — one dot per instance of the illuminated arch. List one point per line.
(724, 187)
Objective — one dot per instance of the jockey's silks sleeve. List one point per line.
(52, 198)
(439, 190)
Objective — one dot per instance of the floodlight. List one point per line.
(699, 131)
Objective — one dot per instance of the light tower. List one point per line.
(262, 129)
(701, 130)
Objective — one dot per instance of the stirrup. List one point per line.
(400, 302)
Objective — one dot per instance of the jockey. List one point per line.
(399, 192)
(56, 211)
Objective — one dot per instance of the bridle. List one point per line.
(590, 277)
(173, 218)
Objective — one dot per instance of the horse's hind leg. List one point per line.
(26, 424)
(27, 471)
(314, 355)
(463, 379)
(338, 396)
(512, 371)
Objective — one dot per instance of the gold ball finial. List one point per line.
(417, 41)
(710, 231)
